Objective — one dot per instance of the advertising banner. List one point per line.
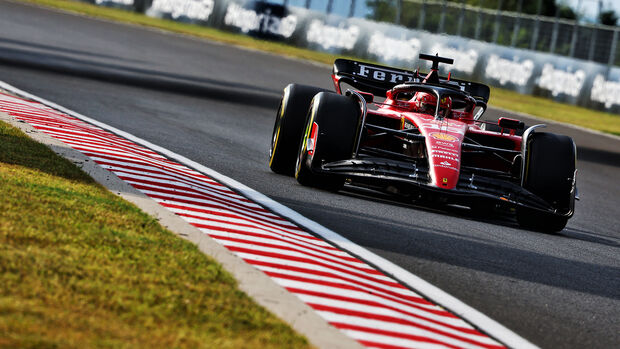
(563, 79)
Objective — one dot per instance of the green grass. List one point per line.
(548, 109)
(540, 107)
(80, 267)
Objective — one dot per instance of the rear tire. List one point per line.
(337, 118)
(550, 171)
(289, 126)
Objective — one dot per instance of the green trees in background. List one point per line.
(385, 10)
(608, 17)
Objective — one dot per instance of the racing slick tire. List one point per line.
(334, 120)
(289, 126)
(549, 173)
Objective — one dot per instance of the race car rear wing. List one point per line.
(378, 79)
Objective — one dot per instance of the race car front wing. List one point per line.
(407, 178)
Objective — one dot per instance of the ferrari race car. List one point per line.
(420, 137)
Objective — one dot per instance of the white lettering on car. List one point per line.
(381, 75)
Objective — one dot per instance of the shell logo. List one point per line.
(444, 137)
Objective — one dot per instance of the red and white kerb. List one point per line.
(361, 301)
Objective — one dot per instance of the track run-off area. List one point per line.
(216, 104)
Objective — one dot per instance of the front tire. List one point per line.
(336, 119)
(289, 126)
(550, 172)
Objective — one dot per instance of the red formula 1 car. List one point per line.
(424, 141)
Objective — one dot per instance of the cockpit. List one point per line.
(453, 104)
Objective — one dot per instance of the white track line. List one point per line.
(421, 286)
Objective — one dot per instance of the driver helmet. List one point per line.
(426, 103)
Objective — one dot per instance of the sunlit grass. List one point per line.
(80, 267)
(548, 109)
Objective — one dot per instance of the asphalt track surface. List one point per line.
(216, 104)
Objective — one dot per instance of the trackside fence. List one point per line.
(537, 58)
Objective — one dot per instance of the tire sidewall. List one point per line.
(288, 127)
(337, 119)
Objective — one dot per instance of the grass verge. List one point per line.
(537, 106)
(548, 109)
(81, 267)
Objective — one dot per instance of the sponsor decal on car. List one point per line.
(441, 156)
(444, 144)
(438, 150)
(384, 75)
(449, 166)
(444, 151)
(444, 137)
(443, 128)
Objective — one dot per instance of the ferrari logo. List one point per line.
(445, 180)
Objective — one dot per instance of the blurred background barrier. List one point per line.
(531, 54)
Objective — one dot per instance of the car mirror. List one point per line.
(368, 97)
(512, 124)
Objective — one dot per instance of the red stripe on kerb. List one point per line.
(267, 234)
(382, 305)
(163, 189)
(392, 319)
(287, 253)
(350, 284)
(346, 283)
(401, 311)
(289, 229)
(360, 274)
(115, 165)
(422, 339)
(295, 246)
(214, 205)
(271, 227)
(181, 189)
